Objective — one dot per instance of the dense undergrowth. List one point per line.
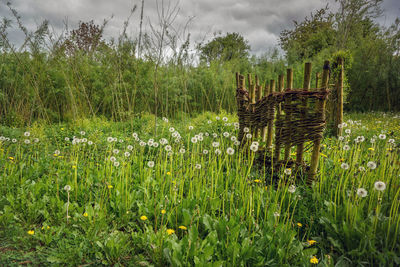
(94, 192)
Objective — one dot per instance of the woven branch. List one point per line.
(299, 124)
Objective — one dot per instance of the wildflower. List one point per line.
(323, 155)
(361, 192)
(230, 151)
(292, 189)
(236, 143)
(372, 140)
(257, 181)
(217, 118)
(346, 147)
(194, 140)
(198, 166)
(134, 135)
(215, 144)
(371, 149)
(66, 139)
(361, 169)
(116, 163)
(254, 147)
(248, 136)
(190, 127)
(82, 133)
(14, 140)
(167, 148)
(205, 151)
(182, 227)
(348, 131)
(344, 166)
(127, 154)
(225, 119)
(170, 231)
(182, 151)
(371, 165)
(288, 171)
(246, 129)
(113, 159)
(115, 151)
(27, 134)
(31, 232)
(209, 122)
(110, 186)
(314, 260)
(110, 139)
(85, 214)
(143, 217)
(200, 138)
(226, 134)
(341, 138)
(299, 225)
(391, 141)
(380, 186)
(217, 151)
(67, 188)
(233, 138)
(163, 211)
(27, 141)
(382, 136)
(141, 143)
(311, 242)
(150, 164)
(171, 129)
(215, 135)
(276, 214)
(90, 143)
(168, 173)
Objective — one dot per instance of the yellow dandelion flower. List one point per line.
(31, 232)
(311, 242)
(143, 218)
(110, 186)
(371, 149)
(73, 166)
(55, 155)
(299, 225)
(323, 155)
(183, 227)
(168, 173)
(314, 260)
(341, 160)
(163, 211)
(62, 129)
(170, 231)
(11, 158)
(257, 181)
(85, 214)
(266, 188)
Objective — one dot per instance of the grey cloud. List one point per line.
(259, 21)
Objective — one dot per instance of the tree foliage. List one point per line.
(225, 48)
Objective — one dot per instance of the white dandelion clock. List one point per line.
(171, 129)
(194, 140)
(346, 147)
(292, 189)
(371, 165)
(27, 134)
(246, 129)
(190, 127)
(382, 136)
(230, 151)
(90, 143)
(14, 140)
(113, 159)
(115, 151)
(344, 166)
(67, 188)
(134, 135)
(82, 133)
(27, 141)
(248, 136)
(130, 147)
(198, 166)
(215, 144)
(226, 134)
(110, 139)
(205, 151)
(254, 147)
(182, 151)
(380, 186)
(116, 163)
(288, 171)
(150, 164)
(217, 151)
(127, 154)
(361, 192)
(168, 148)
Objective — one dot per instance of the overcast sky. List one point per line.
(259, 21)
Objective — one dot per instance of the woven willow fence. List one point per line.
(293, 116)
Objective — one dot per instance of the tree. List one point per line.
(309, 37)
(225, 48)
(86, 38)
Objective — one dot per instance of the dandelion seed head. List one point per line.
(344, 166)
(292, 189)
(371, 165)
(230, 151)
(150, 164)
(361, 192)
(380, 186)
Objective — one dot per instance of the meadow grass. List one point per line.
(95, 192)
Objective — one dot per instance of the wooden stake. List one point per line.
(270, 124)
(264, 130)
(320, 107)
(339, 113)
(289, 82)
(306, 87)
(278, 115)
(316, 79)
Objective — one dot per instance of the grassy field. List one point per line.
(95, 192)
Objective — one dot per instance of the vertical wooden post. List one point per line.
(271, 123)
(320, 107)
(339, 112)
(278, 131)
(316, 79)
(306, 87)
(250, 82)
(264, 130)
(257, 97)
(289, 86)
(241, 86)
(237, 79)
